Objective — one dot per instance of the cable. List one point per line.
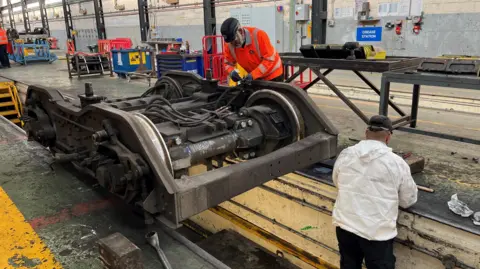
(169, 84)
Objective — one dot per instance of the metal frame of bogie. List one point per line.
(356, 66)
(78, 65)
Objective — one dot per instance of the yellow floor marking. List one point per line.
(392, 117)
(20, 246)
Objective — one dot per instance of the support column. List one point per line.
(144, 20)
(67, 15)
(99, 19)
(209, 20)
(26, 19)
(10, 14)
(319, 21)
(43, 16)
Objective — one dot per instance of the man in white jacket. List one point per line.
(372, 183)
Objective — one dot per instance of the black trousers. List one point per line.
(4, 56)
(353, 249)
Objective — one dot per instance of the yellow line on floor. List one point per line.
(392, 117)
(20, 246)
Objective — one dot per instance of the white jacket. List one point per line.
(372, 182)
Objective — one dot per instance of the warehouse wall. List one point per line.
(450, 26)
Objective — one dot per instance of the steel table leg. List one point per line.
(415, 101)
(384, 96)
(296, 74)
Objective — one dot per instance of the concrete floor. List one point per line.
(70, 220)
(55, 75)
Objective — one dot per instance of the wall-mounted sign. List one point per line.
(369, 34)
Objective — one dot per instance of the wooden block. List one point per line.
(416, 163)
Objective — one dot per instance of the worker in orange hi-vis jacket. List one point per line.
(249, 47)
(4, 61)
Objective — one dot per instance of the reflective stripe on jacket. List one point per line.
(372, 183)
(3, 37)
(258, 57)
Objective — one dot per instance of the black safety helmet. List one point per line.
(229, 29)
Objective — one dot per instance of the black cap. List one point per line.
(229, 29)
(380, 123)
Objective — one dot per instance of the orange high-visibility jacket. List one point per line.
(258, 57)
(3, 37)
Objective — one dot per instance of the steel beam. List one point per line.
(319, 21)
(1, 17)
(144, 20)
(415, 102)
(375, 89)
(342, 96)
(10, 14)
(67, 15)
(26, 20)
(99, 19)
(44, 17)
(206, 190)
(209, 20)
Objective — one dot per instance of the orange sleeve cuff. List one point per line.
(228, 68)
(256, 74)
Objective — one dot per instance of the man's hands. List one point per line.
(248, 78)
(236, 77)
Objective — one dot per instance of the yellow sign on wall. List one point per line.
(135, 58)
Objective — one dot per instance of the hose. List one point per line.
(170, 81)
(152, 239)
(156, 109)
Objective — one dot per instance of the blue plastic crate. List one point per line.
(182, 62)
(128, 60)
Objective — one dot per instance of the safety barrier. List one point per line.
(70, 47)
(106, 45)
(38, 51)
(213, 57)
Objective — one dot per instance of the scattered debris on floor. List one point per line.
(476, 218)
(458, 207)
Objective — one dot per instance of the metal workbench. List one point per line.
(416, 78)
(356, 66)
